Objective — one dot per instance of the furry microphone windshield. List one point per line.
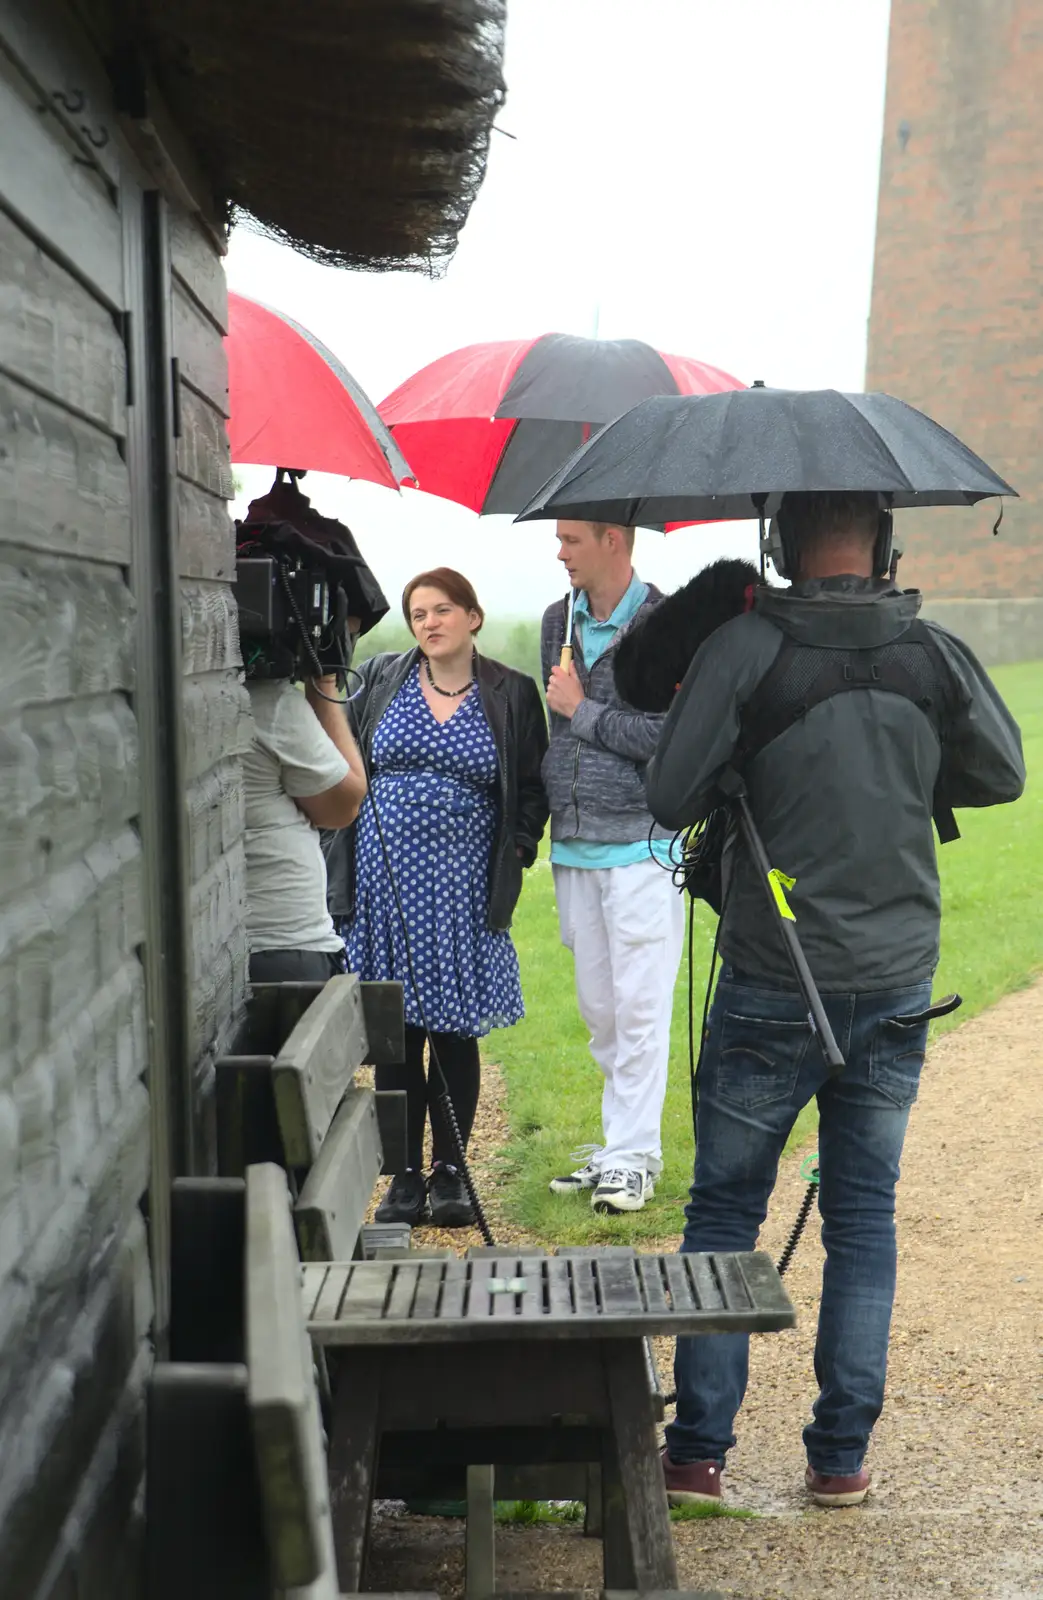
(654, 656)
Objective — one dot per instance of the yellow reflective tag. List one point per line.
(778, 882)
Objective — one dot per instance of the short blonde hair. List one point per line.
(629, 534)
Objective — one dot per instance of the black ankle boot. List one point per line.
(450, 1207)
(405, 1201)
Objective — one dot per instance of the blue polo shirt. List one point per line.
(595, 638)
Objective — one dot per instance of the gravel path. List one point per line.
(957, 1458)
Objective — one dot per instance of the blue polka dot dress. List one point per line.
(436, 787)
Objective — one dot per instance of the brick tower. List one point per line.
(956, 325)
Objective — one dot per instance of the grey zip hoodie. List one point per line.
(843, 797)
(594, 769)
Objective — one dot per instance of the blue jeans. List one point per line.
(760, 1067)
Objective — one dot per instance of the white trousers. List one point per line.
(625, 928)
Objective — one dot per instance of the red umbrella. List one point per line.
(294, 404)
(488, 424)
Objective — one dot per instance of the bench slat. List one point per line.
(316, 1065)
(429, 1289)
(284, 1408)
(651, 1275)
(604, 1300)
(703, 1281)
(619, 1288)
(559, 1291)
(333, 1203)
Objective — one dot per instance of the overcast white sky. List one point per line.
(701, 174)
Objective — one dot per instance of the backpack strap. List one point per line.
(803, 676)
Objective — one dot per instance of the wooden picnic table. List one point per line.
(519, 1360)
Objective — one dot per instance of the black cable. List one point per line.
(797, 1229)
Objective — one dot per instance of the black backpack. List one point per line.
(802, 676)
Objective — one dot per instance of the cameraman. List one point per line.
(843, 796)
(302, 772)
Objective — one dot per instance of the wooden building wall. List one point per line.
(122, 958)
(216, 706)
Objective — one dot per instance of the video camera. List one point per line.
(299, 579)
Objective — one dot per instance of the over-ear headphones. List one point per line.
(781, 547)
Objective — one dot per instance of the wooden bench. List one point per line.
(287, 1095)
(237, 1500)
(519, 1361)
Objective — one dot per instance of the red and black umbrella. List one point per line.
(293, 404)
(488, 424)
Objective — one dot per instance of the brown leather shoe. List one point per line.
(829, 1490)
(691, 1483)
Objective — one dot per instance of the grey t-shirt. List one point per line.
(289, 756)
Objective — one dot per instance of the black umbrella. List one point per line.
(721, 457)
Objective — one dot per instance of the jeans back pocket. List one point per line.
(760, 1059)
(896, 1057)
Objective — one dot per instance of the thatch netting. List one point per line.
(355, 130)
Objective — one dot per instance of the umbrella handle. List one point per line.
(566, 657)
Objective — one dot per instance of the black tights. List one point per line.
(459, 1059)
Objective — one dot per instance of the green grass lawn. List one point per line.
(992, 942)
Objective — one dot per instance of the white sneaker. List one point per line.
(622, 1189)
(584, 1177)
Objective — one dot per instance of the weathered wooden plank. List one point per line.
(335, 1198)
(43, 182)
(315, 1067)
(650, 1272)
(72, 1361)
(353, 1458)
(584, 1292)
(681, 1296)
(480, 1548)
(559, 1288)
(454, 1290)
(327, 1301)
(281, 1387)
(763, 1283)
(640, 1471)
(206, 534)
(207, 1260)
(367, 1291)
(703, 1279)
(66, 629)
(620, 1294)
(477, 1314)
(204, 1519)
(247, 1127)
(202, 447)
(428, 1289)
(72, 771)
(56, 336)
(382, 1006)
(209, 628)
(479, 1300)
(403, 1291)
(62, 481)
(734, 1292)
(195, 260)
(392, 1119)
(199, 350)
(216, 721)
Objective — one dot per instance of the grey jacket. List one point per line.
(594, 768)
(843, 797)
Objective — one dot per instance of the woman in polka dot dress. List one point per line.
(454, 742)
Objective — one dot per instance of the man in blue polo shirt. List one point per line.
(620, 913)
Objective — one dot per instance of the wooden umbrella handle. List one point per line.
(566, 657)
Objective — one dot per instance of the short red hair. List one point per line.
(454, 586)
